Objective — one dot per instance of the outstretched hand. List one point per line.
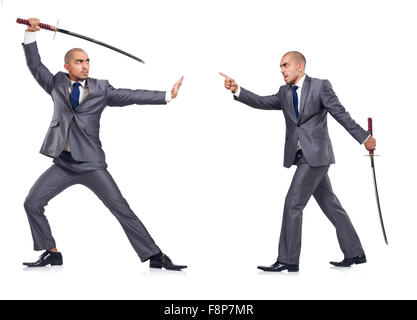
(229, 83)
(176, 88)
(34, 25)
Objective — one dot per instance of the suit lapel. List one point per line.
(90, 86)
(304, 93)
(63, 89)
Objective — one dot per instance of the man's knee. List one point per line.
(32, 204)
(120, 206)
(294, 202)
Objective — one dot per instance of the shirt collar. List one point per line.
(300, 82)
(82, 83)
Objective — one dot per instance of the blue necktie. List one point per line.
(75, 95)
(295, 99)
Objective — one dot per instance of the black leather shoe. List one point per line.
(47, 258)
(280, 266)
(347, 262)
(161, 260)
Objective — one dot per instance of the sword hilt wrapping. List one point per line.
(370, 125)
(41, 25)
(370, 130)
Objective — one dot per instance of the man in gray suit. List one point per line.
(305, 103)
(73, 142)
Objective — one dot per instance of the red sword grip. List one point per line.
(41, 25)
(370, 130)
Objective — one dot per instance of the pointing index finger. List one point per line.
(224, 76)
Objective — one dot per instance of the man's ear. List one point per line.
(66, 67)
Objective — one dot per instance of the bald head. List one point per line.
(70, 53)
(77, 63)
(293, 65)
(297, 57)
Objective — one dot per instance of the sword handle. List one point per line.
(41, 25)
(370, 130)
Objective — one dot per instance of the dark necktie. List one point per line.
(75, 95)
(295, 99)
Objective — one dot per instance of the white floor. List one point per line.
(112, 281)
(117, 276)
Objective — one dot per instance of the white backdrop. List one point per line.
(205, 173)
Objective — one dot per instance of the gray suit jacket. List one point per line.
(83, 124)
(317, 98)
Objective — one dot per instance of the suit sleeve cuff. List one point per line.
(29, 37)
(168, 96)
(237, 94)
(366, 139)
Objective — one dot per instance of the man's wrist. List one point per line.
(168, 97)
(366, 139)
(29, 37)
(237, 93)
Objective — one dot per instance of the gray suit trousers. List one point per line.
(56, 179)
(313, 181)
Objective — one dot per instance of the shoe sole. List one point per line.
(340, 265)
(157, 266)
(51, 264)
(289, 270)
(28, 264)
(347, 266)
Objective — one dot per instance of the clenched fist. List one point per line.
(34, 25)
(370, 144)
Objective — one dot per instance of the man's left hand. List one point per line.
(176, 88)
(370, 144)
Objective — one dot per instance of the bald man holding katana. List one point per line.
(305, 102)
(73, 142)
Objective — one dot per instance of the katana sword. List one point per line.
(55, 29)
(371, 155)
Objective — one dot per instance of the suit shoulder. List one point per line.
(318, 81)
(320, 84)
(61, 74)
(283, 88)
(99, 82)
